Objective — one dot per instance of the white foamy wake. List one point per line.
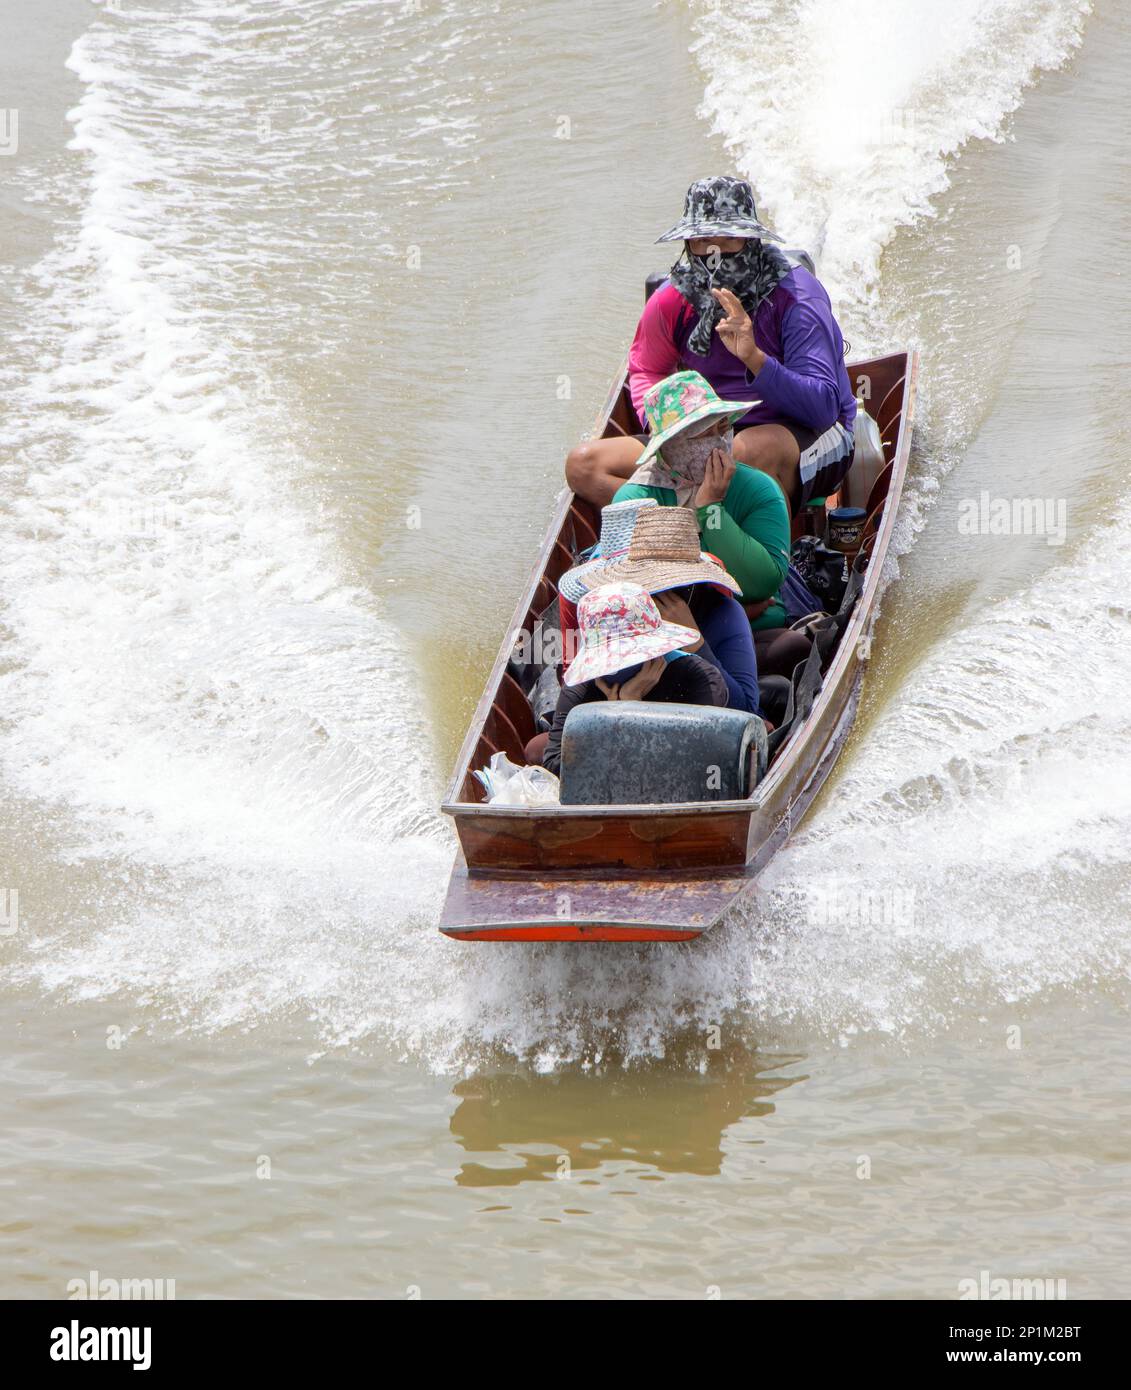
(231, 725)
(997, 793)
(845, 112)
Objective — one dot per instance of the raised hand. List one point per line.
(736, 330)
(674, 609)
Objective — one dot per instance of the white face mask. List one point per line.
(681, 463)
(686, 455)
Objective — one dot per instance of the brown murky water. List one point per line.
(304, 306)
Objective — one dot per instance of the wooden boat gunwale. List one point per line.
(562, 505)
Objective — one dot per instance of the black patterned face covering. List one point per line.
(751, 274)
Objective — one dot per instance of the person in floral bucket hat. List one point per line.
(661, 547)
(760, 330)
(628, 652)
(684, 416)
(741, 513)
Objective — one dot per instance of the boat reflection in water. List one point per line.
(520, 1126)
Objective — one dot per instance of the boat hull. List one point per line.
(657, 872)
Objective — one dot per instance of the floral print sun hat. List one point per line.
(621, 625)
(680, 401)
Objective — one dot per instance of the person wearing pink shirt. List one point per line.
(759, 329)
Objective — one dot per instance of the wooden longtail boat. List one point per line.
(656, 872)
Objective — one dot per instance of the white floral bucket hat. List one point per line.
(620, 626)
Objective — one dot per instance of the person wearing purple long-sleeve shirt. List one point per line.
(759, 329)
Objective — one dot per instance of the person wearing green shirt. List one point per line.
(746, 527)
(742, 513)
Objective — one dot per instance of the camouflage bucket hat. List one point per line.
(719, 206)
(680, 401)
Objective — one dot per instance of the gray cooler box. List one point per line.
(636, 753)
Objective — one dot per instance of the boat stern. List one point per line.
(637, 908)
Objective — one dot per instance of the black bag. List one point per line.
(824, 571)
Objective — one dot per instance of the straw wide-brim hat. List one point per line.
(621, 626)
(680, 401)
(664, 554)
(618, 521)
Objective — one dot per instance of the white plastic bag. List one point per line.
(507, 784)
